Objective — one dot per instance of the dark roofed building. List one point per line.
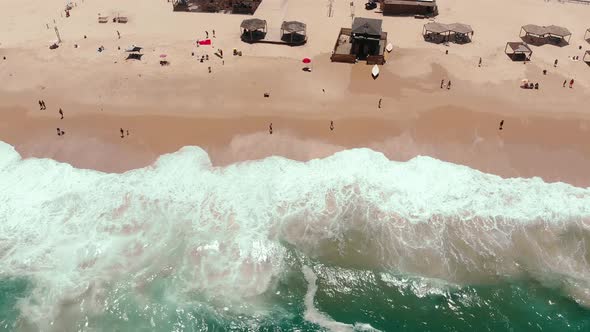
(367, 26)
(409, 7)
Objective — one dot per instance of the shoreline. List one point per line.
(523, 149)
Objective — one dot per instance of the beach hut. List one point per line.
(293, 32)
(409, 7)
(557, 34)
(462, 33)
(435, 32)
(518, 51)
(253, 29)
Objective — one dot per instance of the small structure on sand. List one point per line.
(364, 41)
(217, 6)
(294, 32)
(518, 51)
(541, 35)
(587, 35)
(253, 29)
(426, 8)
(586, 57)
(436, 32)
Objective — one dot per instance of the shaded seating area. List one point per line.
(586, 57)
(461, 33)
(409, 8)
(540, 35)
(587, 35)
(436, 32)
(253, 29)
(134, 56)
(518, 51)
(294, 32)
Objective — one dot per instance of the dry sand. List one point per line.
(546, 131)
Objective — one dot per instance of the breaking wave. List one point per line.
(182, 231)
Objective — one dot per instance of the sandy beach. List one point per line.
(546, 131)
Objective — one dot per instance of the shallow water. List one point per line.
(350, 242)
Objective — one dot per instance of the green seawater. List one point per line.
(385, 301)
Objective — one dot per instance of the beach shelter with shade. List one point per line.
(533, 30)
(558, 34)
(253, 29)
(366, 37)
(587, 33)
(435, 32)
(586, 57)
(294, 32)
(463, 33)
(518, 51)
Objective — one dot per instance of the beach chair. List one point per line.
(103, 19)
(122, 19)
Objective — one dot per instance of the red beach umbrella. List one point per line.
(306, 60)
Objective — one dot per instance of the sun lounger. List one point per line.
(121, 19)
(103, 19)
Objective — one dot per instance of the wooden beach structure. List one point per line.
(426, 8)
(365, 40)
(540, 35)
(247, 7)
(254, 30)
(518, 51)
(436, 32)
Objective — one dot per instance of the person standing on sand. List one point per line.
(380, 99)
(207, 34)
(442, 83)
(213, 33)
(572, 83)
(564, 83)
(449, 85)
(58, 132)
(127, 132)
(555, 63)
(43, 102)
(118, 34)
(331, 125)
(40, 105)
(501, 124)
(61, 113)
(479, 65)
(122, 132)
(270, 128)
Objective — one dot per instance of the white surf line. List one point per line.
(315, 316)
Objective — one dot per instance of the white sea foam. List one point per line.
(220, 231)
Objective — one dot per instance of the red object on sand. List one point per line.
(306, 60)
(205, 42)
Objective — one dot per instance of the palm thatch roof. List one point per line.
(293, 26)
(253, 24)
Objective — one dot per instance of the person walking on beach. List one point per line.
(58, 132)
(270, 128)
(331, 125)
(43, 102)
(118, 34)
(40, 105)
(207, 34)
(61, 113)
(209, 70)
(442, 83)
(213, 33)
(122, 132)
(555, 63)
(127, 131)
(479, 65)
(501, 124)
(572, 83)
(449, 85)
(564, 83)
(380, 99)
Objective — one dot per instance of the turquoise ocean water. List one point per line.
(353, 242)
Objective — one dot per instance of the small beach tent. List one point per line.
(463, 33)
(293, 32)
(518, 51)
(555, 31)
(435, 32)
(253, 28)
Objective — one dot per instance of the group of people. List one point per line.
(571, 83)
(443, 85)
